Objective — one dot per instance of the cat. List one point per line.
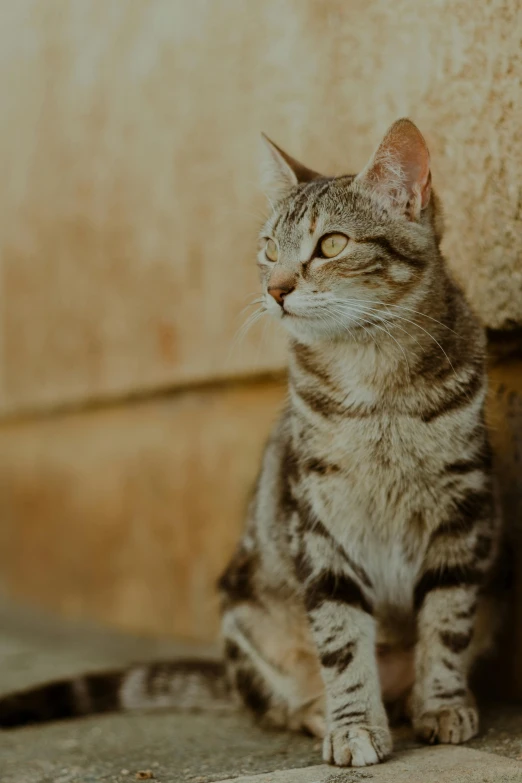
(363, 576)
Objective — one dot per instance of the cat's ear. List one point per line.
(400, 169)
(279, 171)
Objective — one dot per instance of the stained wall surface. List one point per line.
(127, 514)
(128, 150)
(129, 140)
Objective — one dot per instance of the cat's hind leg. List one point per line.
(273, 667)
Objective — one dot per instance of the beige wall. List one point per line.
(128, 210)
(128, 151)
(127, 514)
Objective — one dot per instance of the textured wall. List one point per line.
(128, 151)
(128, 514)
(129, 134)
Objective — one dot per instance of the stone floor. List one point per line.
(181, 748)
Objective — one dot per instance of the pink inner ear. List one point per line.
(402, 162)
(426, 190)
(411, 150)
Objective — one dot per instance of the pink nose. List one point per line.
(279, 293)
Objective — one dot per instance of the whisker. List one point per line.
(402, 318)
(250, 321)
(251, 304)
(404, 307)
(256, 293)
(375, 314)
(344, 326)
(324, 319)
(261, 342)
(350, 303)
(243, 330)
(383, 329)
(360, 324)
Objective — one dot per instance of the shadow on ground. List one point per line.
(176, 748)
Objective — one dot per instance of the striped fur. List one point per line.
(186, 685)
(362, 578)
(364, 569)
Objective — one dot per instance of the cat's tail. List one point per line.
(186, 685)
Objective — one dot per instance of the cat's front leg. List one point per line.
(343, 628)
(447, 598)
(443, 707)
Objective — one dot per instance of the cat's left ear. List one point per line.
(400, 169)
(280, 172)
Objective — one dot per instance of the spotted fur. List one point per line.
(362, 578)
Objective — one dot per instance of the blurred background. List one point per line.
(132, 416)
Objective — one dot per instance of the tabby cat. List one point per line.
(362, 578)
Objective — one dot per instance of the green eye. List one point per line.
(271, 251)
(332, 245)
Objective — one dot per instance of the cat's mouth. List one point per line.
(307, 316)
(287, 313)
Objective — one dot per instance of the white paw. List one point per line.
(357, 746)
(449, 726)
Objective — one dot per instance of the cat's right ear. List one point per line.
(280, 172)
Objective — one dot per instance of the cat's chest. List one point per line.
(368, 456)
(391, 561)
(371, 484)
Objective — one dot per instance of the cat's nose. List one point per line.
(279, 293)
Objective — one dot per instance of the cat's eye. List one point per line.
(331, 245)
(271, 251)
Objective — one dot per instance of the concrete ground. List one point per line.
(197, 748)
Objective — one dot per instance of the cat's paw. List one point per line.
(357, 746)
(452, 725)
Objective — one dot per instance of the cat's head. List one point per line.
(339, 254)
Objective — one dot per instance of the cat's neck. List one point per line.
(385, 354)
(343, 363)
